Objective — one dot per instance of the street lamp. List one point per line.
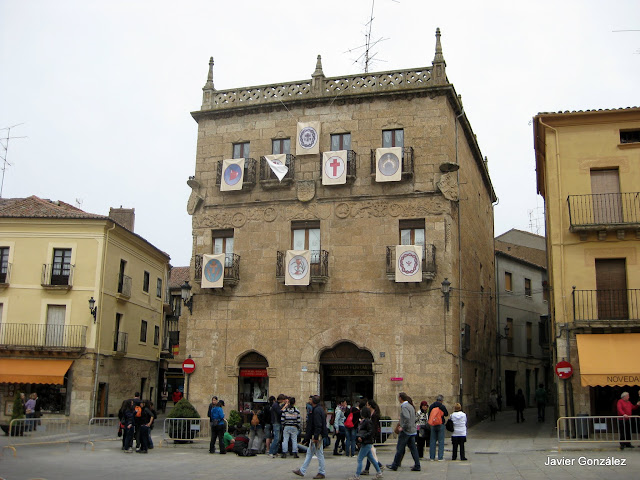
(506, 333)
(187, 298)
(446, 288)
(93, 309)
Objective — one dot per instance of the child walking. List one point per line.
(459, 435)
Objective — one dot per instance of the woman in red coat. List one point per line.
(625, 409)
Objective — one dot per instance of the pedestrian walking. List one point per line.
(375, 420)
(276, 425)
(366, 437)
(459, 435)
(519, 403)
(437, 413)
(541, 401)
(493, 405)
(316, 431)
(351, 428)
(338, 425)
(164, 397)
(406, 433)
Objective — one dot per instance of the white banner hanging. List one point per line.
(232, 174)
(277, 165)
(297, 267)
(389, 164)
(334, 167)
(308, 138)
(212, 271)
(408, 263)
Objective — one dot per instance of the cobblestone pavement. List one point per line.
(496, 450)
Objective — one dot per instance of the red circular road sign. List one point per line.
(188, 366)
(564, 370)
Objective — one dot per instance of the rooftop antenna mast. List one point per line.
(5, 152)
(367, 58)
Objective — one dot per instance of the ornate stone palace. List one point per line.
(342, 243)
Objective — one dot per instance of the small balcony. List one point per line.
(604, 211)
(231, 269)
(5, 275)
(269, 180)
(428, 262)
(351, 166)
(120, 342)
(249, 175)
(319, 266)
(407, 162)
(171, 337)
(58, 338)
(606, 307)
(124, 287)
(57, 276)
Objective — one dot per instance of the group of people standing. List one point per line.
(31, 408)
(136, 421)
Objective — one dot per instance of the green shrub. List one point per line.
(234, 418)
(183, 409)
(18, 408)
(181, 430)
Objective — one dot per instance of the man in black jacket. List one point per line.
(316, 430)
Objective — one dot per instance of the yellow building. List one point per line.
(56, 262)
(588, 171)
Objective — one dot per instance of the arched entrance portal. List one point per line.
(346, 371)
(253, 381)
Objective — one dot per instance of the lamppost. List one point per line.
(187, 298)
(93, 309)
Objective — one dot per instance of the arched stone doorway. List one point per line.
(253, 381)
(346, 371)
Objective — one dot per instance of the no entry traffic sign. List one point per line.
(188, 366)
(564, 370)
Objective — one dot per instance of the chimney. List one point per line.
(123, 216)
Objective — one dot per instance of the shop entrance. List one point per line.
(346, 372)
(604, 400)
(253, 382)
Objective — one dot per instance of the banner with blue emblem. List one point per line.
(232, 174)
(409, 263)
(297, 267)
(212, 271)
(389, 164)
(308, 138)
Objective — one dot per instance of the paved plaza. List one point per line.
(501, 450)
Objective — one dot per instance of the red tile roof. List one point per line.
(178, 276)
(35, 207)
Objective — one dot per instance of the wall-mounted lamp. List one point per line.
(93, 309)
(506, 333)
(446, 288)
(187, 298)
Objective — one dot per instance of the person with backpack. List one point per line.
(437, 412)
(406, 434)
(351, 429)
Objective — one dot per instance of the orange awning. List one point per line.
(609, 359)
(18, 370)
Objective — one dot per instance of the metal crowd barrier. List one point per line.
(187, 430)
(102, 429)
(591, 429)
(38, 431)
(386, 429)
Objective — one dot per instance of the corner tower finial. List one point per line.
(439, 74)
(208, 89)
(317, 77)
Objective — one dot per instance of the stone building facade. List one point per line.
(353, 331)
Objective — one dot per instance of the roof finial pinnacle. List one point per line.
(438, 71)
(318, 72)
(209, 84)
(438, 58)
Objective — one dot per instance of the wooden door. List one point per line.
(611, 286)
(605, 190)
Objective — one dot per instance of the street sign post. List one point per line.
(564, 370)
(188, 367)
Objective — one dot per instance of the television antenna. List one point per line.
(4, 153)
(367, 57)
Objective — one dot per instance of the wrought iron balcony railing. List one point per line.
(231, 269)
(249, 174)
(319, 266)
(351, 166)
(120, 342)
(267, 177)
(606, 305)
(428, 262)
(42, 337)
(604, 210)
(124, 286)
(5, 274)
(407, 162)
(57, 275)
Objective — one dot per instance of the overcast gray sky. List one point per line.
(103, 89)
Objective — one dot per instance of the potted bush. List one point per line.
(235, 419)
(183, 431)
(16, 413)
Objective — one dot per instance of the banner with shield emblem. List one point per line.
(212, 271)
(334, 168)
(297, 267)
(308, 138)
(389, 164)
(232, 174)
(408, 263)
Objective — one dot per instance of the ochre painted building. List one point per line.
(588, 171)
(353, 331)
(54, 258)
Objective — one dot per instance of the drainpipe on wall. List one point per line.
(460, 303)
